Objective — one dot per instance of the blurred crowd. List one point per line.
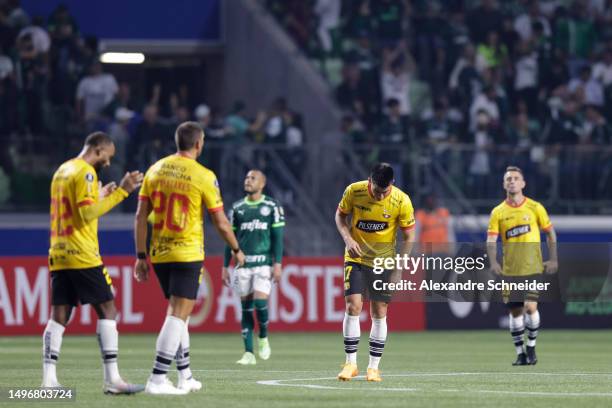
(477, 83)
(54, 90)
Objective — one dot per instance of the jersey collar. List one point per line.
(516, 205)
(249, 202)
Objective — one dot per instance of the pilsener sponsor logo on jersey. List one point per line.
(518, 230)
(254, 225)
(371, 226)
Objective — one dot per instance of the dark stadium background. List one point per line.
(307, 106)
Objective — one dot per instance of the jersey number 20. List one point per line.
(167, 207)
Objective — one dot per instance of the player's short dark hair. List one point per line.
(98, 139)
(382, 174)
(187, 134)
(514, 168)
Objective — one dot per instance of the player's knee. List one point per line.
(61, 315)
(354, 308)
(379, 310)
(106, 310)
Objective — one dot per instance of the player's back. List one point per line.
(178, 189)
(73, 241)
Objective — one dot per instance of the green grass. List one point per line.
(430, 369)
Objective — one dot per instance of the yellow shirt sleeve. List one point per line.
(85, 187)
(406, 215)
(346, 203)
(144, 193)
(211, 194)
(493, 228)
(543, 219)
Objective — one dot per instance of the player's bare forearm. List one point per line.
(551, 242)
(342, 225)
(409, 237)
(140, 225)
(492, 251)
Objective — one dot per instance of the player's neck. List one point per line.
(87, 156)
(190, 154)
(254, 197)
(515, 199)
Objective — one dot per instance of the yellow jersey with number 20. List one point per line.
(178, 188)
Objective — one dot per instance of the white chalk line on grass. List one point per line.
(287, 383)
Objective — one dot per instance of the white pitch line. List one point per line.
(284, 383)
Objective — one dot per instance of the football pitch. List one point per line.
(426, 369)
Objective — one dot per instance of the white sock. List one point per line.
(167, 345)
(378, 337)
(52, 343)
(182, 355)
(532, 323)
(351, 330)
(517, 329)
(108, 339)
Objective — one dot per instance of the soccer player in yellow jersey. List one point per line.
(176, 191)
(377, 209)
(77, 271)
(519, 220)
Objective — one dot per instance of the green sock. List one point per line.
(248, 323)
(261, 308)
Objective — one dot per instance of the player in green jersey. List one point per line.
(258, 221)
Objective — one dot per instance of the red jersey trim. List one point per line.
(143, 198)
(85, 202)
(216, 209)
(345, 213)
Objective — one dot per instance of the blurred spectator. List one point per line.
(360, 21)
(152, 140)
(239, 126)
(32, 76)
(526, 76)
(395, 79)
(485, 102)
(394, 137)
(94, 92)
(508, 36)
(465, 80)
(68, 64)
(61, 17)
(575, 35)
(17, 17)
(441, 128)
(119, 133)
(40, 38)
(355, 94)
(484, 19)
(298, 19)
(523, 24)
(352, 130)
(434, 227)
(491, 54)
(480, 165)
(276, 124)
(586, 89)
(596, 129)
(328, 12)
(123, 99)
(602, 70)
(566, 128)
(388, 15)
(8, 99)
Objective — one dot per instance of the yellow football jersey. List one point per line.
(74, 239)
(178, 188)
(374, 223)
(519, 227)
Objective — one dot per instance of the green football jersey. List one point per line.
(253, 222)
